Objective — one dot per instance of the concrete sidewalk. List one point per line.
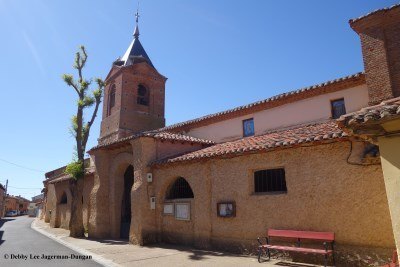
(121, 253)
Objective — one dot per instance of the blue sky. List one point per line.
(216, 55)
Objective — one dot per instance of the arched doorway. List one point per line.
(126, 203)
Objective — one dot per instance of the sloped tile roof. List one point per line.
(292, 96)
(164, 136)
(374, 12)
(66, 177)
(289, 137)
(386, 110)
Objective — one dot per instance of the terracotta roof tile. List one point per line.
(332, 85)
(66, 177)
(164, 136)
(386, 110)
(374, 12)
(281, 138)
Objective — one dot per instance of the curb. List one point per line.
(95, 257)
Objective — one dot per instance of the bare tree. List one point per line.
(80, 130)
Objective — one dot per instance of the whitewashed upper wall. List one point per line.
(303, 111)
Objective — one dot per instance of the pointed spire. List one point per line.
(135, 52)
(136, 32)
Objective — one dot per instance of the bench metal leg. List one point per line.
(326, 260)
(333, 259)
(260, 252)
(269, 254)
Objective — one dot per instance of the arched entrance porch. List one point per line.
(126, 213)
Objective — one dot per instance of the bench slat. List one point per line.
(326, 236)
(298, 249)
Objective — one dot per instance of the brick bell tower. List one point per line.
(379, 33)
(134, 97)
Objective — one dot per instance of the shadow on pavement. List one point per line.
(110, 241)
(290, 264)
(2, 222)
(197, 254)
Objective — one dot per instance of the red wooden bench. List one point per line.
(395, 262)
(327, 237)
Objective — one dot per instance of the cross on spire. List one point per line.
(137, 16)
(136, 32)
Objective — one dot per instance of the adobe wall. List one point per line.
(196, 231)
(325, 193)
(390, 154)
(87, 188)
(64, 215)
(61, 215)
(51, 202)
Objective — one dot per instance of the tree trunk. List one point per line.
(76, 222)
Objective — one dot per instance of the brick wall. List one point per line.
(127, 116)
(380, 40)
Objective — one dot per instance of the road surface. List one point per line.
(22, 246)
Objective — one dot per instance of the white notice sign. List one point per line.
(182, 211)
(169, 208)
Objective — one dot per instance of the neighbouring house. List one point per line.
(36, 206)
(2, 200)
(17, 203)
(11, 203)
(23, 205)
(309, 159)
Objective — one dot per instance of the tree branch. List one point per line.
(89, 123)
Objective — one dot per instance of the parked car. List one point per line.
(11, 213)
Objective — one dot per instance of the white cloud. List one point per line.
(34, 52)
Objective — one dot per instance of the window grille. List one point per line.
(143, 96)
(272, 180)
(338, 108)
(180, 189)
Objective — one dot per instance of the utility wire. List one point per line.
(20, 166)
(24, 187)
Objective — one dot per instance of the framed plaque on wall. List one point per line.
(226, 209)
(168, 208)
(182, 211)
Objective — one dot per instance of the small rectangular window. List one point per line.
(248, 127)
(338, 108)
(272, 180)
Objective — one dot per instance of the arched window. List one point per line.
(142, 95)
(64, 198)
(111, 99)
(180, 189)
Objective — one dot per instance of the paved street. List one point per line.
(117, 253)
(22, 246)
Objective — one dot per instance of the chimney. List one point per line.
(379, 32)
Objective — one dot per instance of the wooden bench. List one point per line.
(394, 263)
(327, 237)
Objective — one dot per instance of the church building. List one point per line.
(290, 161)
